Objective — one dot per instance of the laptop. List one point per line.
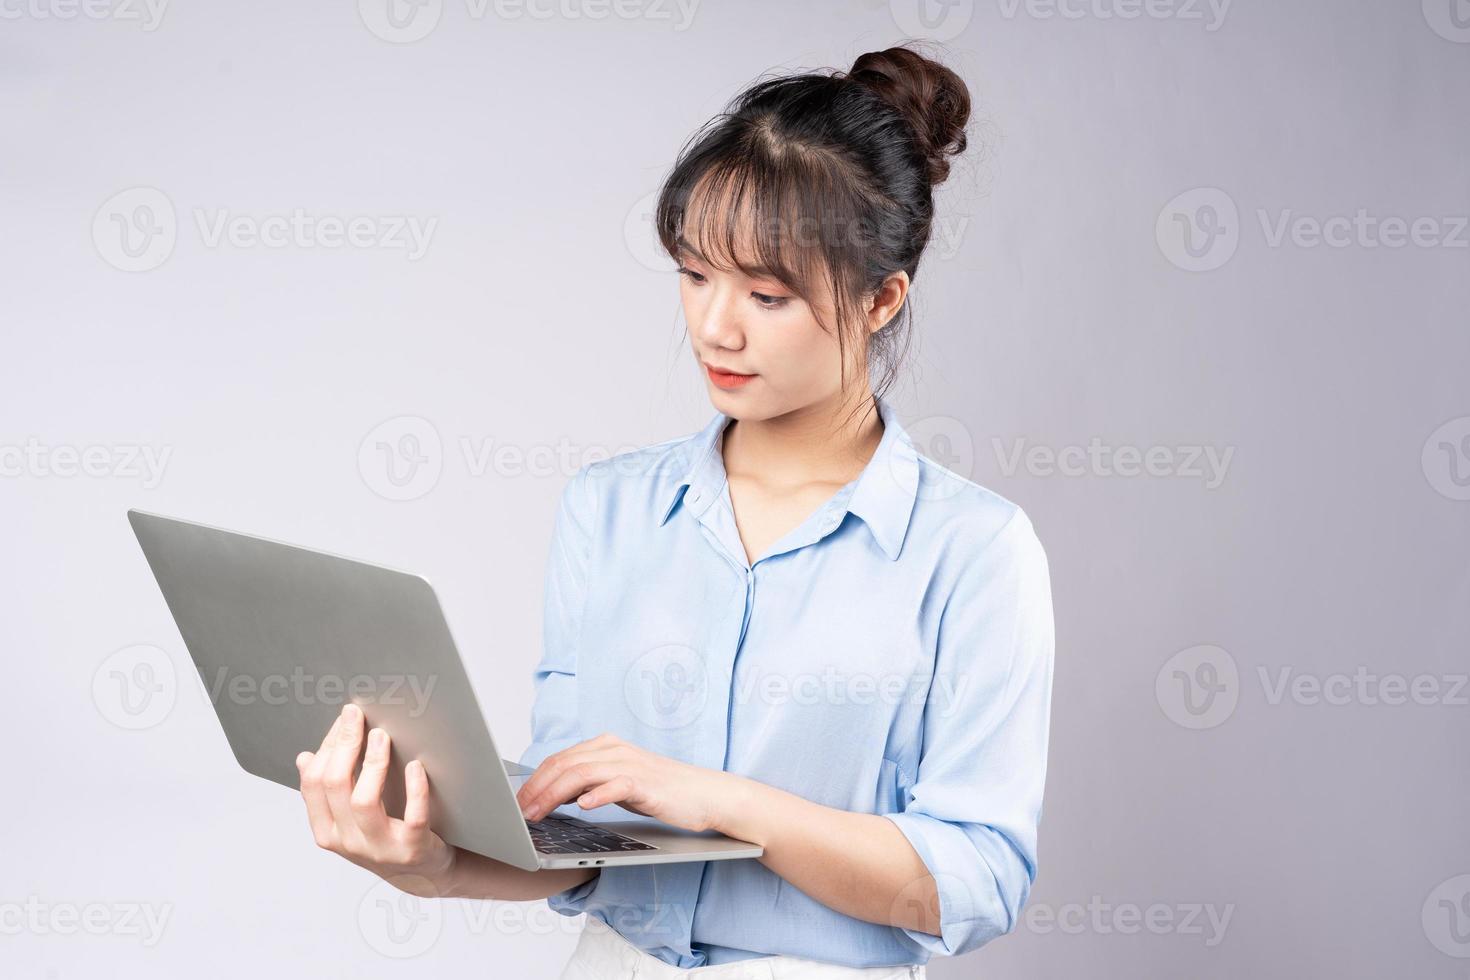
(283, 635)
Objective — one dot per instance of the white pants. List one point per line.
(603, 954)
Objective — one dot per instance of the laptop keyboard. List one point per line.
(570, 835)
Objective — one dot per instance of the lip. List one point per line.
(728, 379)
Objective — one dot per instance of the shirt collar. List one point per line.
(883, 494)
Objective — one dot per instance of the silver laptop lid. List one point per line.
(283, 636)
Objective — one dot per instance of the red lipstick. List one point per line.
(727, 379)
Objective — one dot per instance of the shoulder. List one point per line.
(649, 472)
(991, 573)
(972, 522)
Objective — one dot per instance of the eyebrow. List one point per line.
(755, 272)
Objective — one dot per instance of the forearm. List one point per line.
(477, 876)
(857, 863)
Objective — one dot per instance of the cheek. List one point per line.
(792, 344)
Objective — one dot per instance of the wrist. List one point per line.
(445, 879)
(744, 810)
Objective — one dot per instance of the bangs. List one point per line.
(762, 217)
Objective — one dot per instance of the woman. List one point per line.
(789, 627)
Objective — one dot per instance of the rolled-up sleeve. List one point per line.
(554, 716)
(972, 812)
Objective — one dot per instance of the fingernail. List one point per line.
(375, 738)
(351, 711)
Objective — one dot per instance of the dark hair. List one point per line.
(853, 156)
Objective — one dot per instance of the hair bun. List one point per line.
(930, 96)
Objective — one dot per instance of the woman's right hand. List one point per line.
(351, 821)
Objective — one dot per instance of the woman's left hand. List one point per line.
(606, 769)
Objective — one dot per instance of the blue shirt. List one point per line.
(891, 655)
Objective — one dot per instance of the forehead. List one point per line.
(715, 221)
(724, 226)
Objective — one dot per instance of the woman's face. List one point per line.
(756, 326)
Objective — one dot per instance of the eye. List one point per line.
(694, 277)
(770, 302)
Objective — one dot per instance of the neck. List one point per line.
(828, 441)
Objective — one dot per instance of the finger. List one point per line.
(316, 805)
(569, 785)
(337, 776)
(546, 772)
(330, 738)
(366, 801)
(416, 803)
(554, 765)
(322, 826)
(619, 789)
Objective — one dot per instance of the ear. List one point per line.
(886, 302)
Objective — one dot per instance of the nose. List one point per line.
(719, 323)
